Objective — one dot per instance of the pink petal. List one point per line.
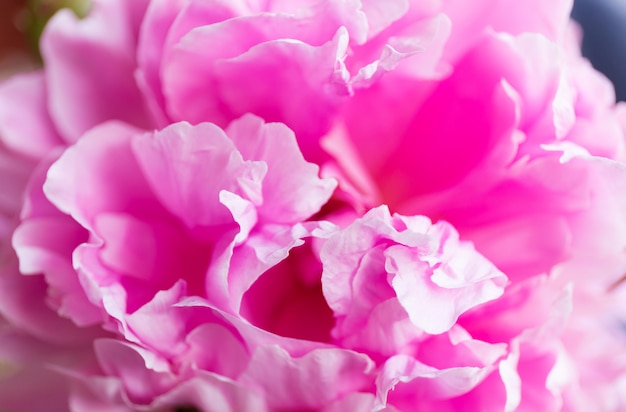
(109, 186)
(196, 156)
(25, 124)
(142, 374)
(311, 381)
(212, 392)
(92, 60)
(292, 190)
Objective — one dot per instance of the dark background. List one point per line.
(11, 40)
(604, 41)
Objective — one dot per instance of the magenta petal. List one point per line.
(547, 19)
(305, 84)
(286, 299)
(387, 331)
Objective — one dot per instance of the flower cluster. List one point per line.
(334, 205)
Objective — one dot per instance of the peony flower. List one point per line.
(322, 206)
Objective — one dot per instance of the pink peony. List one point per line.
(297, 205)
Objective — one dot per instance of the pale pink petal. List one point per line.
(208, 392)
(434, 277)
(44, 243)
(292, 189)
(216, 348)
(25, 124)
(143, 374)
(380, 16)
(308, 382)
(110, 186)
(14, 174)
(218, 84)
(466, 280)
(357, 401)
(196, 157)
(549, 19)
(92, 60)
(154, 30)
(411, 380)
(99, 394)
(23, 301)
